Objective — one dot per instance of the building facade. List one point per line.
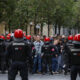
(30, 30)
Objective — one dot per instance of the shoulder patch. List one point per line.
(18, 44)
(72, 50)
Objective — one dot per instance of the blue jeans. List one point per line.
(60, 62)
(54, 64)
(36, 60)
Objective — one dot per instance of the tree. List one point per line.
(19, 13)
(63, 13)
(7, 8)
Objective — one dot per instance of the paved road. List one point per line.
(41, 77)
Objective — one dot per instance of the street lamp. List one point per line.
(37, 27)
(31, 24)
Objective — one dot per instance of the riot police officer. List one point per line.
(30, 43)
(2, 54)
(70, 40)
(67, 46)
(73, 57)
(46, 58)
(7, 43)
(8, 40)
(18, 53)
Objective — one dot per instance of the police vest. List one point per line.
(69, 45)
(75, 56)
(2, 47)
(18, 51)
(46, 49)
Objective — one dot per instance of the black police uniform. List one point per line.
(2, 55)
(19, 53)
(30, 43)
(73, 58)
(7, 43)
(69, 43)
(67, 47)
(75, 61)
(47, 58)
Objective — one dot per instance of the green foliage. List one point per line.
(17, 13)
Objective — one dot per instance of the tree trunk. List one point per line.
(48, 29)
(38, 31)
(63, 30)
(78, 29)
(30, 29)
(9, 29)
(55, 28)
(59, 29)
(9, 26)
(27, 22)
(69, 31)
(26, 28)
(5, 29)
(35, 23)
(35, 29)
(41, 28)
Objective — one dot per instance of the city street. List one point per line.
(41, 77)
(42, 36)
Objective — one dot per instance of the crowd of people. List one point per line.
(45, 54)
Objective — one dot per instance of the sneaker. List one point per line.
(56, 72)
(39, 72)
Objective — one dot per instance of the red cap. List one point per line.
(18, 33)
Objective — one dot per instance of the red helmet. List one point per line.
(47, 39)
(18, 33)
(28, 37)
(8, 37)
(77, 37)
(9, 34)
(70, 37)
(2, 37)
